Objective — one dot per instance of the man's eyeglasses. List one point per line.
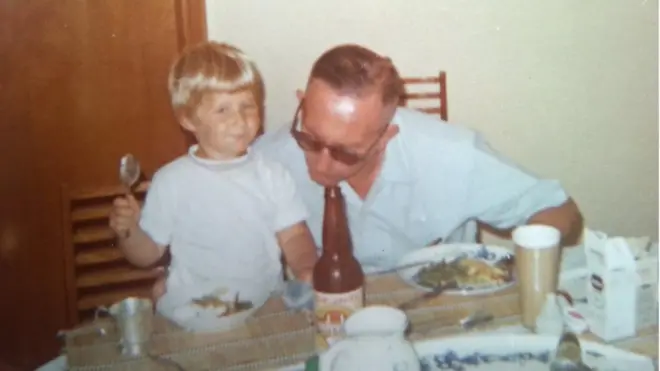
(308, 143)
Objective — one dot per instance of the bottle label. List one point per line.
(332, 310)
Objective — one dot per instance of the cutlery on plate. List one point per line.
(237, 305)
(400, 267)
(429, 295)
(416, 264)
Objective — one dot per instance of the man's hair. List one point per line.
(355, 70)
(212, 67)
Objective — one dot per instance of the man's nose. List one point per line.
(324, 161)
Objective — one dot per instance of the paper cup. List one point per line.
(537, 264)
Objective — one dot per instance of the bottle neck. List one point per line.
(336, 234)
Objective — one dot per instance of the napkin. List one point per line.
(572, 318)
(558, 315)
(550, 321)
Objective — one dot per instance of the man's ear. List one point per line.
(388, 135)
(392, 129)
(391, 132)
(300, 94)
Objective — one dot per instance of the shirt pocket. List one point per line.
(420, 228)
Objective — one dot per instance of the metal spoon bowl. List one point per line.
(129, 171)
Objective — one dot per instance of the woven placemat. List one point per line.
(440, 317)
(276, 338)
(273, 337)
(443, 312)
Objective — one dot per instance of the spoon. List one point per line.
(568, 356)
(475, 319)
(439, 289)
(399, 267)
(238, 305)
(129, 173)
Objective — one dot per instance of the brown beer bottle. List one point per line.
(338, 278)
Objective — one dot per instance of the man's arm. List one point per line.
(504, 196)
(565, 217)
(299, 250)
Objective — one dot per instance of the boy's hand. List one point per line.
(125, 215)
(159, 289)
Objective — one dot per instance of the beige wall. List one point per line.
(567, 88)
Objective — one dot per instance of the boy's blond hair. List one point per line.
(212, 67)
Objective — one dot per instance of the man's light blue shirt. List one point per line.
(436, 181)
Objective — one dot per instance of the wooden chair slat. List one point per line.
(96, 270)
(412, 96)
(436, 83)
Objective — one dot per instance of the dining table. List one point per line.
(276, 337)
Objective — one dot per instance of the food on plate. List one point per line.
(466, 272)
(223, 307)
(210, 301)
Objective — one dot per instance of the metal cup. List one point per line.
(134, 320)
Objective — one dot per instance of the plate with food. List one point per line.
(221, 309)
(477, 269)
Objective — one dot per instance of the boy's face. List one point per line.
(225, 124)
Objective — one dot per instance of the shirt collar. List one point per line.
(217, 164)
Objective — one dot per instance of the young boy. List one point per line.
(225, 212)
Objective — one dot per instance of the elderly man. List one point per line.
(408, 178)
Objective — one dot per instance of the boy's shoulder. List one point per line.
(269, 166)
(174, 169)
(276, 144)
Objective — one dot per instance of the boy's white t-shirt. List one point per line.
(220, 220)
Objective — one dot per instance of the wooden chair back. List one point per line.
(96, 272)
(427, 94)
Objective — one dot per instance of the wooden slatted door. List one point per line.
(96, 272)
(81, 83)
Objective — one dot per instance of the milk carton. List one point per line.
(612, 286)
(646, 259)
